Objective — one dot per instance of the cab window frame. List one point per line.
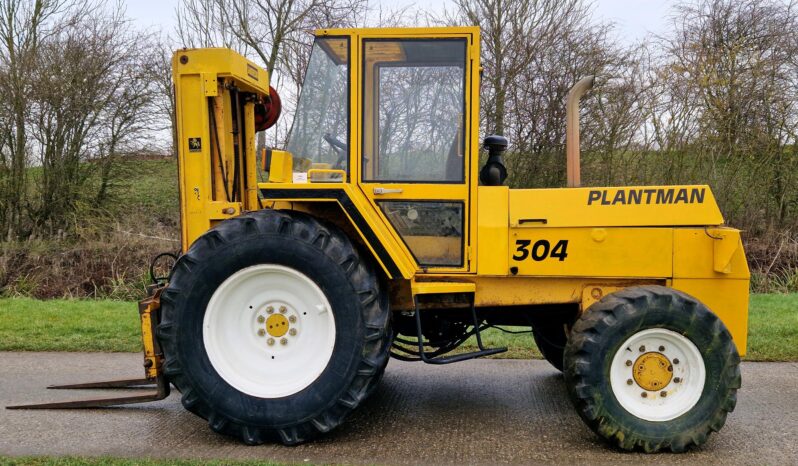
(319, 40)
(465, 118)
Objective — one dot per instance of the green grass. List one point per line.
(773, 327)
(74, 461)
(68, 325)
(78, 325)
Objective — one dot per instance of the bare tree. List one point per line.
(23, 26)
(730, 66)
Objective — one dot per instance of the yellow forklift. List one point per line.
(375, 233)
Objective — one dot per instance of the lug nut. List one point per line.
(261, 332)
(283, 341)
(628, 363)
(292, 319)
(677, 380)
(661, 349)
(261, 319)
(292, 332)
(676, 360)
(629, 382)
(269, 310)
(663, 393)
(270, 341)
(642, 349)
(283, 309)
(644, 395)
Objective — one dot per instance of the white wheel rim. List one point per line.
(673, 397)
(237, 338)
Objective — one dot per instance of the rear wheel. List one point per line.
(274, 327)
(550, 338)
(652, 368)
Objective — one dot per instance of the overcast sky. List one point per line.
(633, 18)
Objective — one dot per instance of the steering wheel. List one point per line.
(339, 147)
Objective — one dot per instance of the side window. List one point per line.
(414, 110)
(432, 230)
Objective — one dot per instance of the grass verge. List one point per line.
(76, 461)
(86, 325)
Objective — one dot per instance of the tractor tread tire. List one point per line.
(328, 241)
(551, 345)
(590, 348)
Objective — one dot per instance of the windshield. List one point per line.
(320, 132)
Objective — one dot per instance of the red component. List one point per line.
(267, 112)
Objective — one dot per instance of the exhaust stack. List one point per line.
(572, 129)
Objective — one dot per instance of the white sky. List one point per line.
(633, 18)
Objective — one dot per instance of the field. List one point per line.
(103, 325)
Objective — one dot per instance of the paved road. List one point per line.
(477, 412)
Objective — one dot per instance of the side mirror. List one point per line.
(494, 173)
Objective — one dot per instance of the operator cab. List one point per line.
(394, 121)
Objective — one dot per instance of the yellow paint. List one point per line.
(616, 237)
(727, 298)
(277, 325)
(652, 371)
(153, 359)
(202, 79)
(699, 253)
(492, 211)
(281, 167)
(592, 293)
(574, 207)
(441, 287)
(592, 252)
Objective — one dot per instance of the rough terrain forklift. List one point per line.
(375, 234)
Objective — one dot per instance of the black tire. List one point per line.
(550, 339)
(606, 325)
(359, 305)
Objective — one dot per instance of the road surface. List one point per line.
(475, 412)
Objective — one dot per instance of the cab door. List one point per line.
(418, 124)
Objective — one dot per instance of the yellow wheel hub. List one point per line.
(653, 371)
(277, 325)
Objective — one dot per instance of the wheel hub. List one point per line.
(652, 371)
(277, 325)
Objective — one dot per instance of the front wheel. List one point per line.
(652, 368)
(273, 326)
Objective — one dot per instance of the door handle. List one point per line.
(387, 191)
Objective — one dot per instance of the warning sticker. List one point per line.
(195, 144)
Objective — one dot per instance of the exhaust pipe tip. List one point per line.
(572, 129)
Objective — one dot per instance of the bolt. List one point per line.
(292, 319)
(677, 380)
(261, 319)
(269, 310)
(663, 393)
(283, 341)
(661, 349)
(628, 363)
(292, 332)
(642, 349)
(283, 309)
(676, 360)
(629, 382)
(595, 293)
(644, 395)
(261, 332)
(270, 341)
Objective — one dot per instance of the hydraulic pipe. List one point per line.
(572, 129)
